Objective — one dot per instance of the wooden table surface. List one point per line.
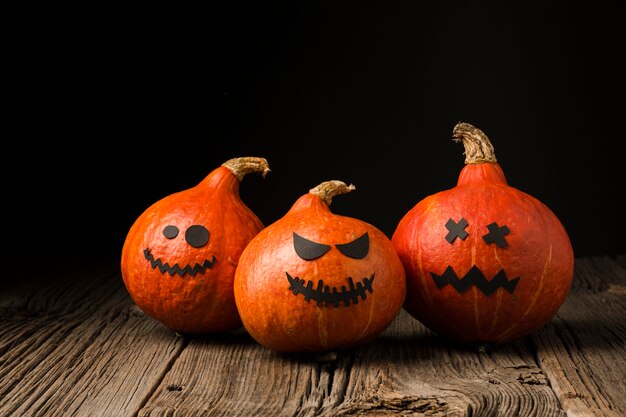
(72, 343)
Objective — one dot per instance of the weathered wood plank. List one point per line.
(409, 371)
(583, 351)
(77, 346)
(231, 375)
(406, 371)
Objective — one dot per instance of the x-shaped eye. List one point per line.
(496, 234)
(456, 230)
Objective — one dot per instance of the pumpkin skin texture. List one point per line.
(485, 262)
(179, 258)
(315, 281)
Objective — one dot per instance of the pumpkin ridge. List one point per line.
(535, 295)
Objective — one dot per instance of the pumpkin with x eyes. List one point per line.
(485, 262)
(315, 280)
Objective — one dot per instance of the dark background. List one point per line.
(117, 108)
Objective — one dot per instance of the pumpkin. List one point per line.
(179, 256)
(314, 281)
(485, 262)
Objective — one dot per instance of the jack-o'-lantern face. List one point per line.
(322, 293)
(195, 237)
(180, 255)
(496, 235)
(314, 280)
(484, 261)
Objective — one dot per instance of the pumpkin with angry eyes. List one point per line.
(180, 255)
(315, 281)
(485, 262)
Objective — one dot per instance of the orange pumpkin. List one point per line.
(484, 261)
(315, 280)
(179, 257)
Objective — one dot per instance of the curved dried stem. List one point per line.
(244, 165)
(329, 189)
(478, 148)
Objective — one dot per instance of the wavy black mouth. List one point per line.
(177, 269)
(476, 278)
(324, 296)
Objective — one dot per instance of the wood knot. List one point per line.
(616, 289)
(532, 378)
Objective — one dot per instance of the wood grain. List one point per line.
(406, 371)
(74, 344)
(410, 370)
(73, 347)
(583, 351)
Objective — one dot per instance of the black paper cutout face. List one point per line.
(357, 249)
(496, 234)
(475, 277)
(456, 230)
(309, 250)
(196, 236)
(322, 294)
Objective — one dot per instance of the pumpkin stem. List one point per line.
(327, 190)
(240, 167)
(478, 148)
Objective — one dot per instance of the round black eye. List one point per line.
(170, 232)
(197, 236)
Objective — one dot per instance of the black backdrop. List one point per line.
(117, 108)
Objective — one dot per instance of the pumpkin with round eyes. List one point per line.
(485, 262)
(315, 281)
(180, 255)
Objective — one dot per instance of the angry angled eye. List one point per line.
(496, 234)
(356, 249)
(307, 249)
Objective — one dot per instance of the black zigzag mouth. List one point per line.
(177, 269)
(324, 296)
(476, 278)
